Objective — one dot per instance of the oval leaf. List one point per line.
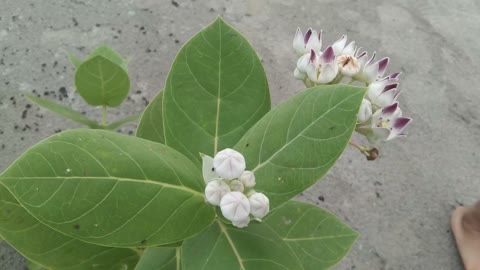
(110, 189)
(111, 55)
(101, 82)
(226, 247)
(150, 126)
(295, 144)
(160, 258)
(48, 248)
(215, 91)
(318, 238)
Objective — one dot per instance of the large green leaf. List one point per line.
(150, 126)
(64, 111)
(226, 247)
(215, 91)
(51, 249)
(160, 258)
(102, 82)
(34, 266)
(296, 143)
(318, 238)
(111, 189)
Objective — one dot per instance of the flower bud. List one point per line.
(229, 164)
(236, 185)
(215, 191)
(259, 205)
(247, 178)
(235, 206)
(365, 111)
(241, 223)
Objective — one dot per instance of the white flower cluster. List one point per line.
(380, 118)
(229, 186)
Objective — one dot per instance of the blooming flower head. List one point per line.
(379, 118)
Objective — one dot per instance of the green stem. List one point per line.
(104, 116)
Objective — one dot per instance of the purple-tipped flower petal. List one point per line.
(312, 40)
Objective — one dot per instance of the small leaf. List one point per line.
(295, 144)
(150, 126)
(101, 187)
(226, 247)
(123, 121)
(318, 238)
(111, 55)
(160, 258)
(102, 82)
(64, 111)
(215, 91)
(48, 248)
(74, 60)
(207, 168)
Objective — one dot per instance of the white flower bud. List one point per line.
(235, 207)
(236, 185)
(365, 111)
(229, 164)
(215, 191)
(259, 205)
(241, 223)
(247, 178)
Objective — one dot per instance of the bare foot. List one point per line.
(466, 228)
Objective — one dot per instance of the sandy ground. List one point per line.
(401, 203)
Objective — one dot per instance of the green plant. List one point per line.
(206, 183)
(101, 80)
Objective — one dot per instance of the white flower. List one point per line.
(384, 92)
(215, 191)
(387, 124)
(300, 72)
(312, 40)
(207, 169)
(259, 205)
(236, 185)
(322, 68)
(365, 111)
(247, 178)
(369, 71)
(339, 47)
(229, 164)
(235, 207)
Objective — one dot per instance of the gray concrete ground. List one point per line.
(401, 203)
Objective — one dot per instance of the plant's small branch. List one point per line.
(104, 116)
(370, 153)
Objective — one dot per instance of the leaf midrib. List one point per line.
(232, 245)
(121, 179)
(215, 145)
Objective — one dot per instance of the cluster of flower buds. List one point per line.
(380, 118)
(230, 186)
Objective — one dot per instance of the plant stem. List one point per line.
(104, 116)
(361, 148)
